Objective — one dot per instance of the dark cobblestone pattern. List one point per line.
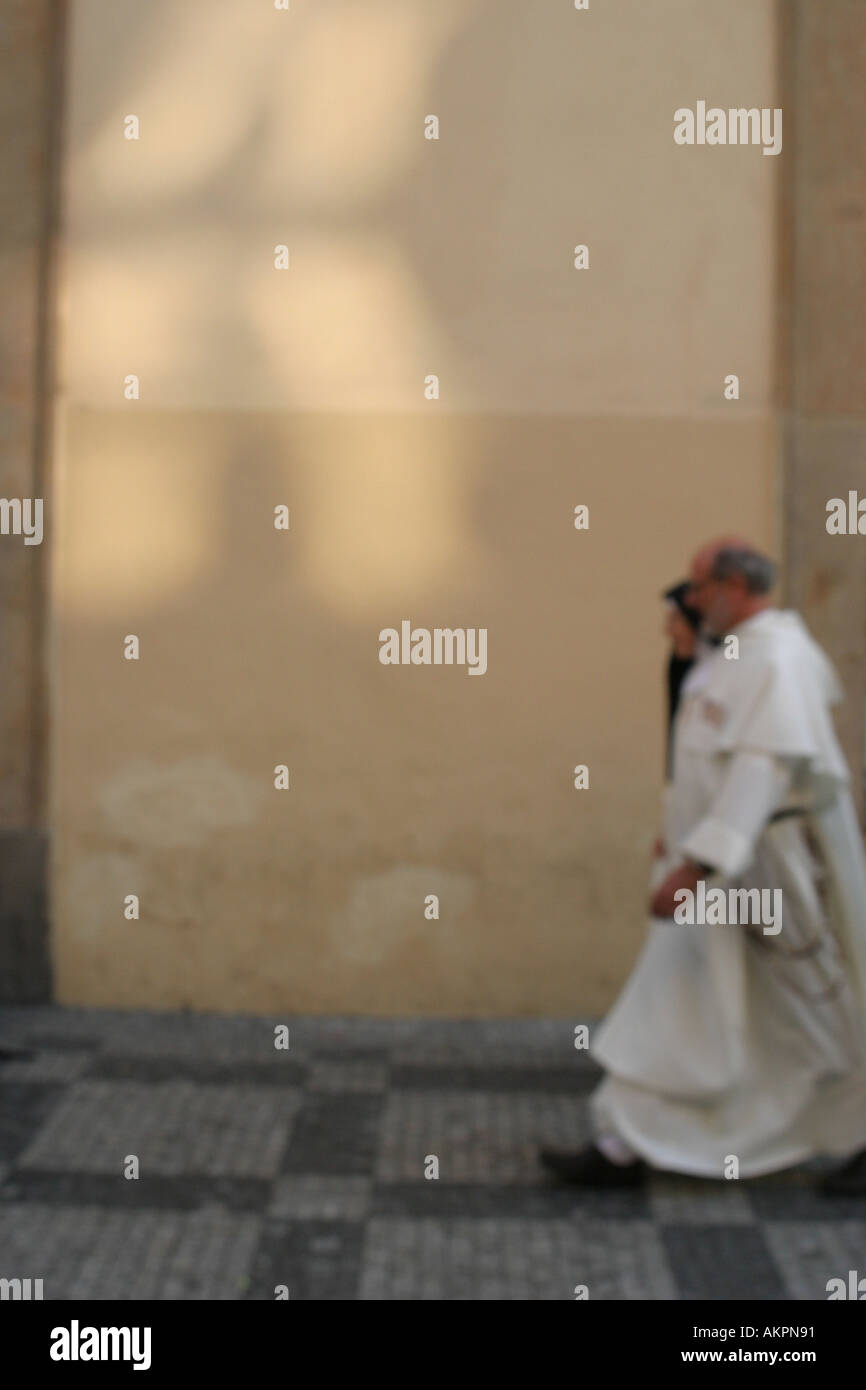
(24, 1108)
(312, 1259)
(305, 1169)
(187, 1192)
(709, 1262)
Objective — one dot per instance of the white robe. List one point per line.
(728, 1041)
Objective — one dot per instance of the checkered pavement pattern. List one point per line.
(305, 1170)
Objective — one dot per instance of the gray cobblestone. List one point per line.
(150, 1255)
(687, 1201)
(477, 1136)
(306, 1167)
(171, 1127)
(45, 1066)
(301, 1198)
(813, 1253)
(348, 1076)
(484, 1260)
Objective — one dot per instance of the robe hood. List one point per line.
(777, 696)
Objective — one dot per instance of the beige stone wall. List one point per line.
(825, 297)
(30, 53)
(22, 174)
(305, 387)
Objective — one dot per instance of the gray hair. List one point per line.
(758, 572)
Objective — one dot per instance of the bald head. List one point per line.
(729, 582)
(705, 558)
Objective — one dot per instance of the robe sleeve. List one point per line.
(754, 786)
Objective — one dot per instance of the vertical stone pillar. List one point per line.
(31, 45)
(823, 322)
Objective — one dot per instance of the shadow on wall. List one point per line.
(259, 647)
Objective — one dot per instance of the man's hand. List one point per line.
(685, 875)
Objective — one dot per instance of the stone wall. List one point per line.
(31, 50)
(407, 257)
(558, 386)
(823, 300)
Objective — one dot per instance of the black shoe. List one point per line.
(590, 1168)
(849, 1180)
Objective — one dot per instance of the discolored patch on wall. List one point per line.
(385, 911)
(99, 883)
(180, 804)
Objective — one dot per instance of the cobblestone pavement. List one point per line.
(305, 1168)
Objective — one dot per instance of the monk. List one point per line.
(733, 1051)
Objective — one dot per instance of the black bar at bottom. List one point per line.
(253, 1339)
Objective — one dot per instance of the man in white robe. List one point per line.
(738, 1046)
